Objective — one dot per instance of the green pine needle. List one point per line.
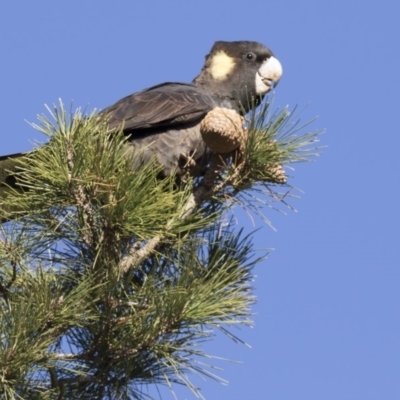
(73, 322)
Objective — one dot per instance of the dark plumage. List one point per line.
(163, 121)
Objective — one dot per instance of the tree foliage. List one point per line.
(110, 278)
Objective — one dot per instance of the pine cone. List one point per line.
(221, 130)
(276, 174)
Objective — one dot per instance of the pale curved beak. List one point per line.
(268, 75)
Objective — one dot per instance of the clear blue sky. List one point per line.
(328, 322)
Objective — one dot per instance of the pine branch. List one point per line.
(201, 193)
(109, 276)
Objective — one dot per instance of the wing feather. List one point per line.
(168, 104)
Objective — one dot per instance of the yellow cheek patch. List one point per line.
(221, 65)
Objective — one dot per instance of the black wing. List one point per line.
(167, 104)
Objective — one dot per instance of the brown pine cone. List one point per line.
(222, 130)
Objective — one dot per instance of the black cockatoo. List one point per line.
(163, 121)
